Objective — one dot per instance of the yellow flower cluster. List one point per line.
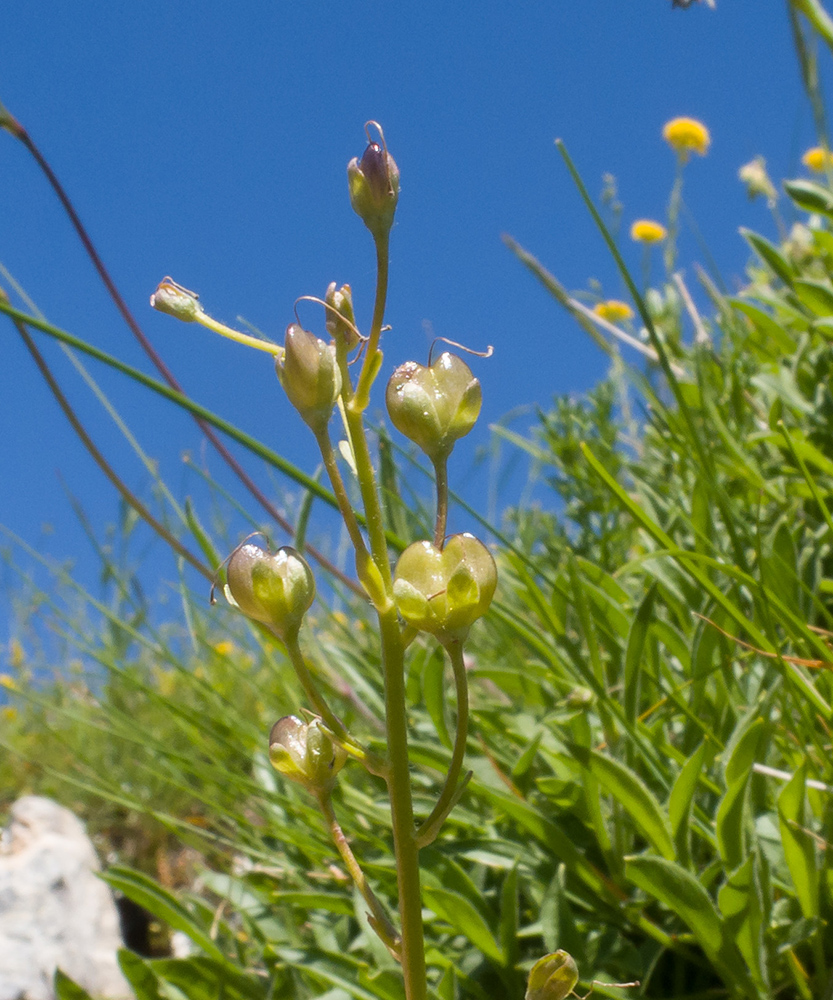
(686, 135)
(817, 159)
(613, 310)
(648, 231)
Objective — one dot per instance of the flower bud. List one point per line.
(175, 300)
(304, 753)
(308, 372)
(444, 591)
(435, 406)
(274, 588)
(341, 300)
(553, 977)
(374, 188)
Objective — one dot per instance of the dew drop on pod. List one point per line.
(444, 591)
(276, 588)
(310, 376)
(305, 754)
(434, 406)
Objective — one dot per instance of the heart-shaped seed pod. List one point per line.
(444, 591)
(434, 406)
(553, 977)
(304, 753)
(276, 588)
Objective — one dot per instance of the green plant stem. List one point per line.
(427, 832)
(381, 922)
(370, 367)
(441, 479)
(318, 701)
(402, 810)
(345, 507)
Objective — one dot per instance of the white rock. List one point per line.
(54, 912)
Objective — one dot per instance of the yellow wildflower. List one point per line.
(648, 231)
(613, 310)
(224, 648)
(9, 713)
(8, 682)
(685, 135)
(817, 159)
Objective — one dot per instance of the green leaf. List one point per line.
(816, 295)
(799, 849)
(508, 926)
(158, 901)
(633, 654)
(683, 894)
(774, 335)
(742, 908)
(771, 256)
(731, 819)
(682, 796)
(142, 979)
(202, 978)
(633, 794)
(810, 196)
(464, 919)
(68, 989)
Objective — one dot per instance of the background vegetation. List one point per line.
(651, 693)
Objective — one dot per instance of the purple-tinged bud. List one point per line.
(435, 406)
(374, 188)
(175, 300)
(444, 591)
(310, 375)
(342, 326)
(304, 753)
(553, 977)
(276, 588)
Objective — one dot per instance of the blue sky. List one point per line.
(209, 141)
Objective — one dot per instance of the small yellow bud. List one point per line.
(686, 135)
(648, 231)
(613, 310)
(817, 159)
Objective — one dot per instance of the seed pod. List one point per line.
(308, 372)
(274, 588)
(341, 300)
(444, 591)
(553, 977)
(305, 754)
(435, 406)
(374, 188)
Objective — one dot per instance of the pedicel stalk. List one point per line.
(440, 586)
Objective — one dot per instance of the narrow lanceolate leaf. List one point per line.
(771, 256)
(682, 798)
(633, 653)
(799, 849)
(741, 904)
(142, 979)
(632, 794)
(684, 895)
(464, 919)
(201, 978)
(160, 904)
(810, 196)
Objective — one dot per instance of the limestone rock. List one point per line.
(54, 912)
